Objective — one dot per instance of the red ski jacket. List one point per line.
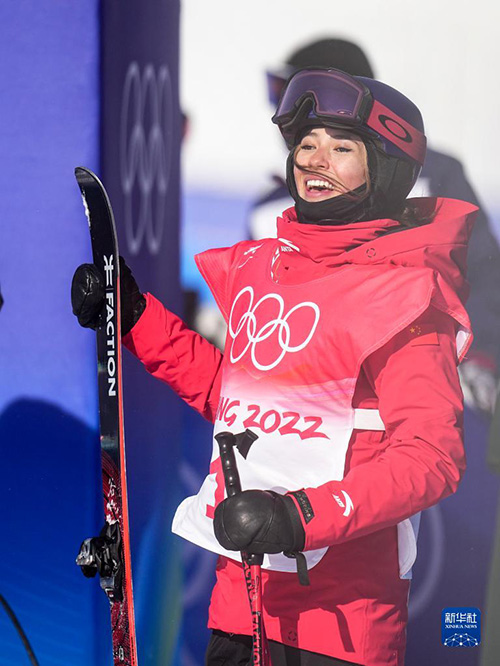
(356, 606)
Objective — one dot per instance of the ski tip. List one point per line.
(84, 171)
(85, 176)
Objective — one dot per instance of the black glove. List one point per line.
(88, 296)
(259, 521)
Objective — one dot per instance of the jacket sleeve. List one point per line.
(422, 460)
(182, 358)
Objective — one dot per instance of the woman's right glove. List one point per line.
(88, 296)
(259, 521)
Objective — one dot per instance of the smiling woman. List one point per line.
(340, 368)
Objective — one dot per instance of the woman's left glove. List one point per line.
(88, 296)
(259, 521)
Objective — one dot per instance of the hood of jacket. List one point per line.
(440, 245)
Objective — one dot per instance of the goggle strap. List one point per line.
(403, 135)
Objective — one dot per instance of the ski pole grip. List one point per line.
(226, 442)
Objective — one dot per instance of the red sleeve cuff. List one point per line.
(321, 510)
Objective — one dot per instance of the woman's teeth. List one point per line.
(319, 184)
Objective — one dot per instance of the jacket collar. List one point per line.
(440, 245)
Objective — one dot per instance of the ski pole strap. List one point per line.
(302, 571)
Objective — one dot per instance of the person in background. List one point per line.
(443, 176)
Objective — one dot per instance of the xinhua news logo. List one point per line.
(461, 627)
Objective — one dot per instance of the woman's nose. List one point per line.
(319, 158)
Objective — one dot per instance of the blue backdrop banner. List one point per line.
(83, 80)
(50, 473)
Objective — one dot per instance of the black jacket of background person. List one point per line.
(446, 178)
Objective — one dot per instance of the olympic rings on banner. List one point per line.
(247, 325)
(146, 135)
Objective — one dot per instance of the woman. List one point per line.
(341, 356)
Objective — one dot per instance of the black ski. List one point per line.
(109, 554)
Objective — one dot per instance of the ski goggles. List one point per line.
(340, 99)
(276, 82)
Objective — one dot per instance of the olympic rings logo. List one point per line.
(146, 135)
(247, 326)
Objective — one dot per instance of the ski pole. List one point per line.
(251, 562)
